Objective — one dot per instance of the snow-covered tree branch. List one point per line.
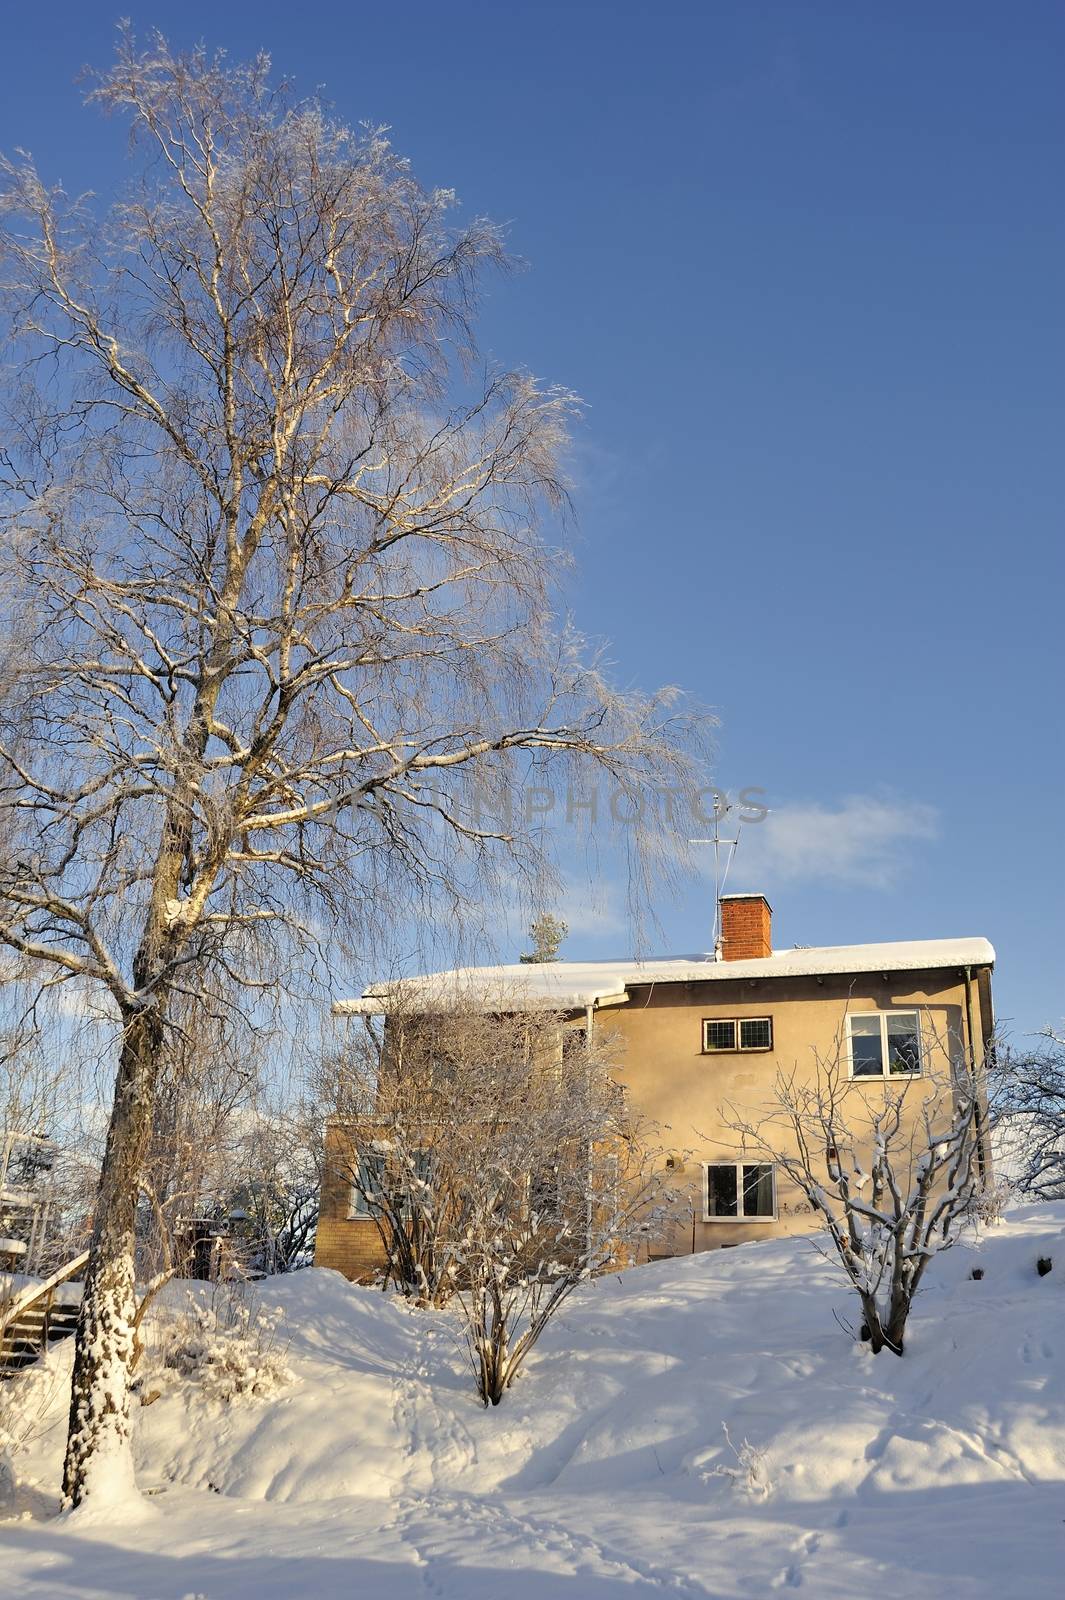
(1027, 1088)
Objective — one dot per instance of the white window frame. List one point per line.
(885, 1075)
(737, 1048)
(740, 1216)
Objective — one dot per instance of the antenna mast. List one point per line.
(721, 809)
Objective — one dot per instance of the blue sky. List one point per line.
(806, 265)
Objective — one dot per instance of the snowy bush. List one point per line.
(750, 1475)
(1027, 1087)
(987, 1206)
(26, 1401)
(228, 1345)
(500, 1161)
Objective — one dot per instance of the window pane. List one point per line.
(543, 1192)
(756, 1033)
(423, 1165)
(411, 1182)
(370, 1182)
(904, 1042)
(757, 1190)
(721, 1036)
(867, 1056)
(721, 1190)
(574, 1040)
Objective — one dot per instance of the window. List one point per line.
(740, 1190)
(544, 1199)
(885, 1044)
(368, 1183)
(756, 1033)
(737, 1033)
(417, 1186)
(719, 1036)
(574, 1040)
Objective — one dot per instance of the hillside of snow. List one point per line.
(606, 1473)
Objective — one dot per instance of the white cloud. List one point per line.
(864, 841)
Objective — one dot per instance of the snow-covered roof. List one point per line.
(573, 985)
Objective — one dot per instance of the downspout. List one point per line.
(978, 1113)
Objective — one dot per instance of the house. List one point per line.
(29, 1199)
(703, 1037)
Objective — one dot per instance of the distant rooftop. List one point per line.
(572, 985)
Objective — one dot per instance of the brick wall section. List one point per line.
(351, 1245)
(746, 927)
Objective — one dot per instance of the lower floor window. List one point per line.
(739, 1189)
(377, 1180)
(368, 1185)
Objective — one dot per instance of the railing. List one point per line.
(27, 1298)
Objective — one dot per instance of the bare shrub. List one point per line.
(27, 1405)
(751, 1471)
(496, 1153)
(889, 1166)
(988, 1202)
(1027, 1090)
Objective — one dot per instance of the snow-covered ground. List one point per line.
(377, 1474)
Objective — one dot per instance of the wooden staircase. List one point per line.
(36, 1317)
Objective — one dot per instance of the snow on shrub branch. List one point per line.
(890, 1167)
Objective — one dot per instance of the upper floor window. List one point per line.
(884, 1044)
(737, 1033)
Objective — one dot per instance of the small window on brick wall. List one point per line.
(368, 1183)
(737, 1033)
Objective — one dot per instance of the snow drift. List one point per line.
(608, 1471)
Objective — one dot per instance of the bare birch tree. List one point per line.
(889, 1168)
(278, 587)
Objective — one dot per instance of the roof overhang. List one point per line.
(576, 985)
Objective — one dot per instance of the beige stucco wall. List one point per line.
(687, 1093)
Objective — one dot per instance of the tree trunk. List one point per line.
(497, 1351)
(99, 1458)
(879, 1334)
(895, 1332)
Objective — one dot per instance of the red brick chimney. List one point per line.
(746, 927)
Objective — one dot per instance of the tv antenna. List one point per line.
(724, 851)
